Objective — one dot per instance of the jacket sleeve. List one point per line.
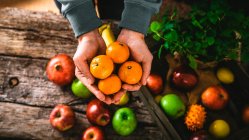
(81, 15)
(137, 14)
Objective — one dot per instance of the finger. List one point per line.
(146, 71)
(102, 46)
(91, 87)
(108, 100)
(83, 67)
(135, 87)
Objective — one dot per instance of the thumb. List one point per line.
(102, 46)
(83, 67)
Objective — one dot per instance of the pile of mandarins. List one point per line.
(113, 68)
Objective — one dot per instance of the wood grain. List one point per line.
(35, 34)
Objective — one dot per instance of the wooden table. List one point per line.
(28, 41)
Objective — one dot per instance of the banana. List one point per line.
(108, 35)
(102, 28)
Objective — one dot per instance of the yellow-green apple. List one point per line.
(124, 99)
(155, 83)
(158, 98)
(215, 97)
(62, 117)
(60, 69)
(80, 90)
(93, 133)
(173, 106)
(219, 129)
(98, 113)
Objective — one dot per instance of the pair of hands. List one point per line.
(91, 44)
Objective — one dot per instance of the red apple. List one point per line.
(155, 83)
(97, 113)
(215, 97)
(62, 117)
(93, 133)
(184, 78)
(245, 114)
(60, 69)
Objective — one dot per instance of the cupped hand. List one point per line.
(139, 52)
(89, 45)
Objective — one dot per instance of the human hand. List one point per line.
(90, 44)
(139, 52)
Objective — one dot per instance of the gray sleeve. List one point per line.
(137, 14)
(81, 15)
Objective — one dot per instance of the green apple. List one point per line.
(124, 121)
(124, 99)
(80, 90)
(225, 75)
(173, 106)
(219, 129)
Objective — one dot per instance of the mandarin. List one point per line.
(101, 66)
(119, 52)
(130, 72)
(110, 85)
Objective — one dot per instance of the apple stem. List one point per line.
(221, 96)
(58, 67)
(58, 115)
(104, 118)
(124, 116)
(91, 136)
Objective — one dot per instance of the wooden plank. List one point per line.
(35, 34)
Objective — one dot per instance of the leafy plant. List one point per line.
(210, 32)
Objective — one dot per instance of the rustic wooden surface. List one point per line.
(28, 40)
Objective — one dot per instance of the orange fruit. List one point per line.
(119, 52)
(130, 72)
(101, 66)
(110, 85)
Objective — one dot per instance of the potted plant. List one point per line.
(210, 32)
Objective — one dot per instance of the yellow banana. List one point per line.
(108, 35)
(102, 28)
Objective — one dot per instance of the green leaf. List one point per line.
(192, 62)
(199, 35)
(196, 23)
(168, 26)
(198, 45)
(166, 45)
(171, 36)
(160, 51)
(210, 40)
(156, 37)
(232, 55)
(213, 18)
(155, 26)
